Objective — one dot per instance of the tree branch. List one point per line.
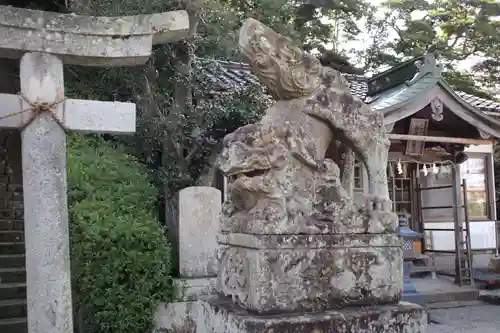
(398, 31)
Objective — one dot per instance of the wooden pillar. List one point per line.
(492, 200)
(457, 218)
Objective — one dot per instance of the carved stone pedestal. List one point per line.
(218, 315)
(283, 273)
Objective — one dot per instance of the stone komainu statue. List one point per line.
(277, 167)
(290, 232)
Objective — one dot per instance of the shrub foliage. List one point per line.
(120, 257)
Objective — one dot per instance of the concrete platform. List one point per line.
(474, 318)
(442, 290)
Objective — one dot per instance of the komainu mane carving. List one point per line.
(280, 180)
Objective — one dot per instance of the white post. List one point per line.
(45, 202)
(199, 210)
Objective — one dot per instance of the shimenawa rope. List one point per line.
(37, 108)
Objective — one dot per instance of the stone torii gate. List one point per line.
(44, 41)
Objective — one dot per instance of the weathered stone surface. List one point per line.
(273, 192)
(88, 40)
(269, 274)
(293, 238)
(309, 241)
(216, 315)
(199, 210)
(294, 245)
(347, 170)
(76, 115)
(305, 90)
(191, 289)
(45, 202)
(279, 179)
(266, 219)
(176, 317)
(181, 315)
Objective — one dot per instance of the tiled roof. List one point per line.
(357, 85)
(482, 104)
(231, 74)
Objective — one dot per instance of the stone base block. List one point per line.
(191, 289)
(217, 315)
(180, 315)
(288, 273)
(176, 317)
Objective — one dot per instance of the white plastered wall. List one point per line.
(482, 231)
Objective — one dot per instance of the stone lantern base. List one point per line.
(220, 315)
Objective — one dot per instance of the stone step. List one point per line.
(10, 181)
(4, 179)
(12, 236)
(15, 308)
(11, 204)
(12, 275)
(12, 248)
(10, 291)
(12, 260)
(16, 195)
(9, 186)
(453, 305)
(10, 194)
(11, 224)
(14, 325)
(434, 296)
(11, 214)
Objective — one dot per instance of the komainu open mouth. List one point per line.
(249, 174)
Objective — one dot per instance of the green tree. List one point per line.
(178, 126)
(456, 29)
(179, 129)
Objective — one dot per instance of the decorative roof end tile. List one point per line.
(429, 65)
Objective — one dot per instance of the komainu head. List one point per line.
(286, 70)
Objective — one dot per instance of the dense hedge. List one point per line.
(120, 257)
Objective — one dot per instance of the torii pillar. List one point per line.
(44, 41)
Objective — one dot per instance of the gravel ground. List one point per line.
(477, 318)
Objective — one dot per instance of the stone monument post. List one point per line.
(199, 210)
(44, 41)
(297, 255)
